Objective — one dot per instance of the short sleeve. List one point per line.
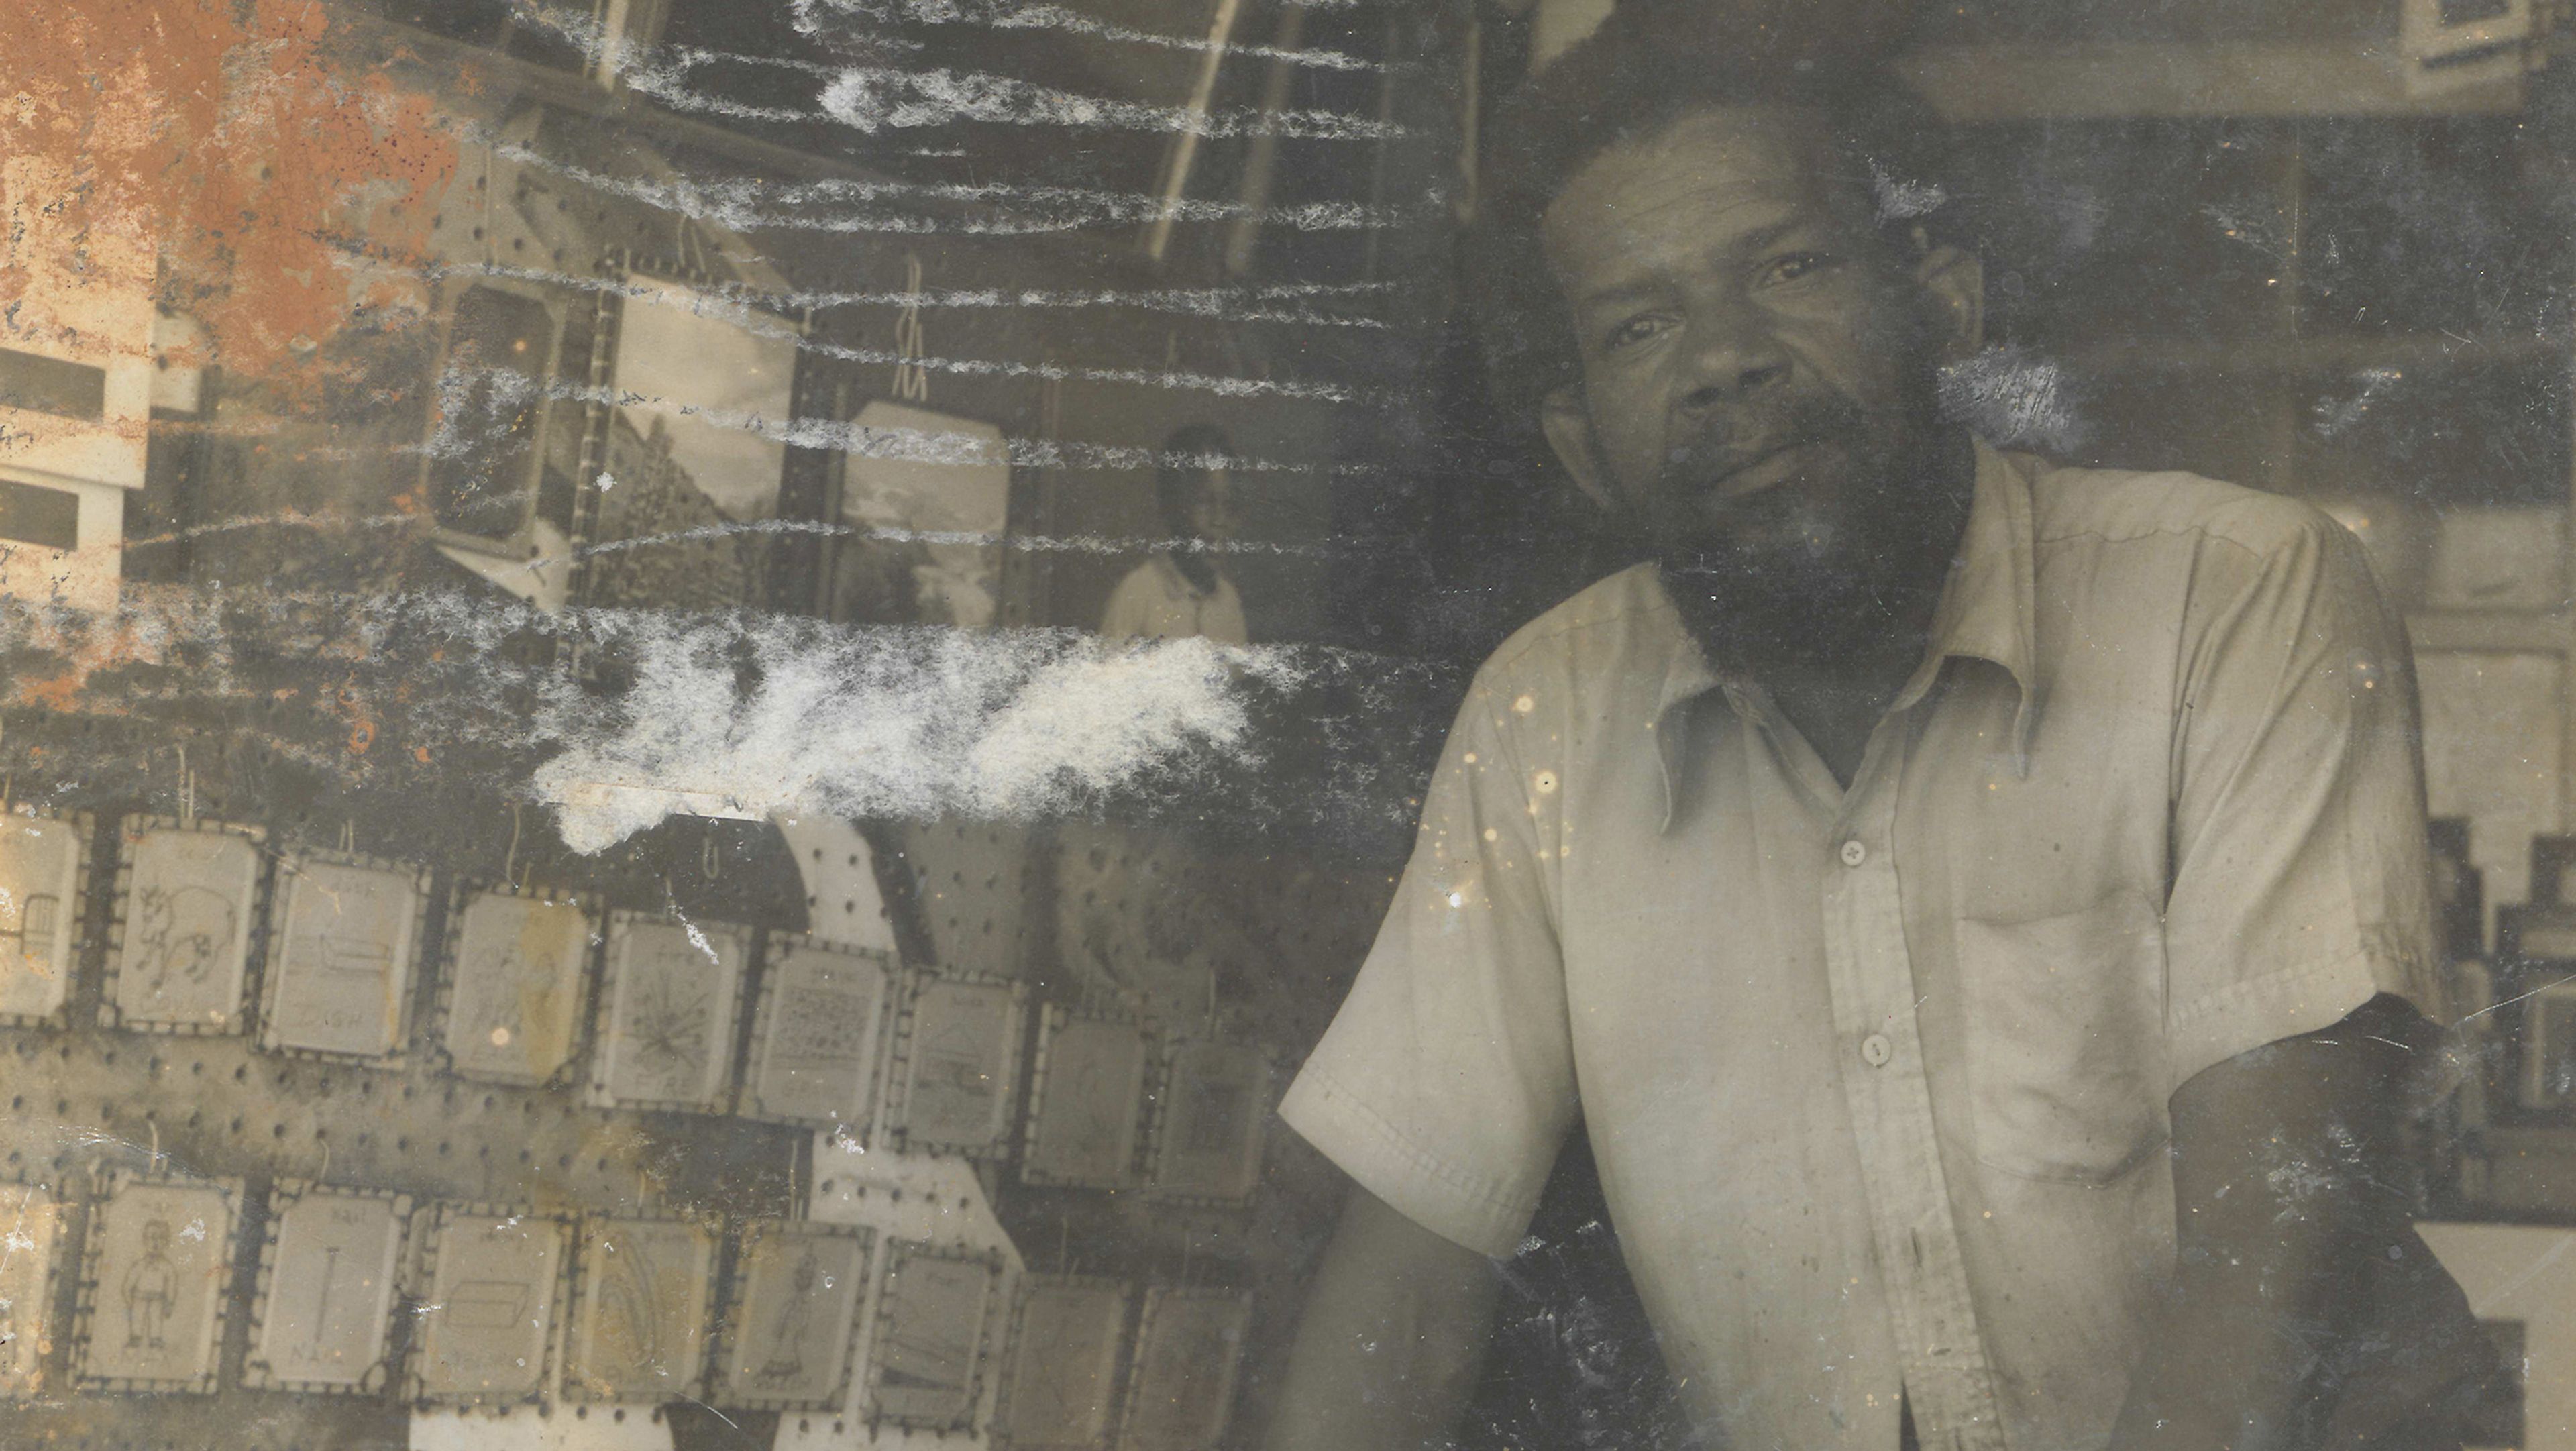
(1446, 1082)
(2301, 880)
(1129, 613)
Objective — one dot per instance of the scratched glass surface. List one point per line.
(634, 633)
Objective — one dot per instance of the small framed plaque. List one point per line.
(789, 1329)
(156, 1271)
(1086, 1101)
(666, 1016)
(816, 1040)
(340, 956)
(516, 990)
(329, 1275)
(1189, 1346)
(44, 878)
(1207, 1142)
(191, 901)
(933, 1331)
(1060, 1384)
(642, 1311)
(959, 1065)
(31, 1241)
(486, 1335)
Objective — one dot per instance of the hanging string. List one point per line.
(510, 858)
(187, 791)
(911, 379)
(349, 836)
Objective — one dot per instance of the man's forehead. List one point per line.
(1774, 151)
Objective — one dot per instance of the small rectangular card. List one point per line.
(934, 1322)
(1188, 1348)
(157, 1268)
(190, 900)
(642, 1310)
(44, 861)
(961, 1056)
(486, 1334)
(1208, 1144)
(1060, 1390)
(1086, 1102)
(322, 1318)
(816, 1038)
(31, 1237)
(340, 955)
(789, 1330)
(517, 984)
(666, 1014)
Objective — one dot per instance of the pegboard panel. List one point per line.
(972, 883)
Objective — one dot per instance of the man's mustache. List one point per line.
(1724, 443)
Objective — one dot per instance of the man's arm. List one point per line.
(2287, 1171)
(1395, 1328)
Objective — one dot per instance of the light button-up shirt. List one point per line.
(1877, 1078)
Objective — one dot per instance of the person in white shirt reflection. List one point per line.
(1184, 589)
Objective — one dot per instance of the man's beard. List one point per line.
(1805, 566)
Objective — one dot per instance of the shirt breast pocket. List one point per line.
(2065, 1039)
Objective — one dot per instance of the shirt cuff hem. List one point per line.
(1459, 1207)
(2244, 1016)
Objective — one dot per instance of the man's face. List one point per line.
(1757, 361)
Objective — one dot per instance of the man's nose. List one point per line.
(1730, 358)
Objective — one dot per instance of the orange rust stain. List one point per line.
(60, 692)
(420, 754)
(228, 138)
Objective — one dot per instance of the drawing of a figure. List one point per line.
(182, 934)
(785, 1364)
(151, 1290)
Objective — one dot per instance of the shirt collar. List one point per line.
(1181, 584)
(1987, 612)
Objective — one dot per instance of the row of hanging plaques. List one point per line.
(332, 941)
(512, 1307)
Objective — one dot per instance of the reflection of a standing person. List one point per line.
(1183, 590)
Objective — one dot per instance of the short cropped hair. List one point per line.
(1189, 455)
(1649, 64)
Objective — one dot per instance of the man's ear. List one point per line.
(1955, 279)
(1569, 432)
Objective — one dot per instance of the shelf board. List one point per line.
(2323, 353)
(2144, 79)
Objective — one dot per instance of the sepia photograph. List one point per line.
(1287, 725)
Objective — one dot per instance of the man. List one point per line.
(1976, 908)
(1183, 590)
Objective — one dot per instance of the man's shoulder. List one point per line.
(1630, 604)
(2071, 505)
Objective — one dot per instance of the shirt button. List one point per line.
(1854, 853)
(1875, 1050)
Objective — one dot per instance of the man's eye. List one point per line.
(1795, 265)
(1634, 330)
